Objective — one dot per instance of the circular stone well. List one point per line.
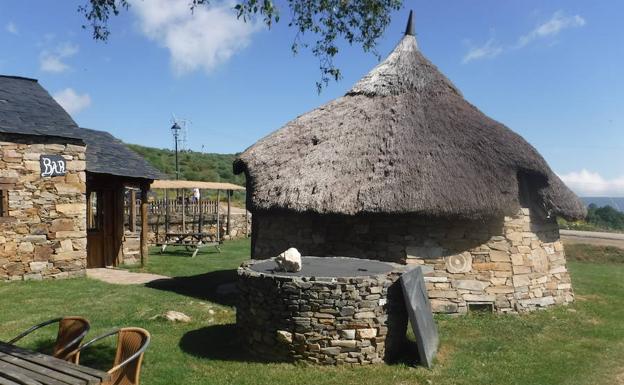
(334, 311)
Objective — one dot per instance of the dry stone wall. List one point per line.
(513, 264)
(44, 234)
(351, 321)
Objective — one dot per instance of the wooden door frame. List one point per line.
(110, 191)
(116, 185)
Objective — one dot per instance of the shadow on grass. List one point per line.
(184, 252)
(408, 355)
(99, 356)
(202, 286)
(218, 342)
(221, 342)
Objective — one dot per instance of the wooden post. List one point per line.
(144, 249)
(166, 211)
(201, 213)
(133, 211)
(218, 224)
(183, 211)
(229, 217)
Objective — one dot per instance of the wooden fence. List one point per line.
(159, 207)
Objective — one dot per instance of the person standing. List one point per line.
(196, 195)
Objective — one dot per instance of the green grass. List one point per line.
(596, 254)
(579, 344)
(176, 261)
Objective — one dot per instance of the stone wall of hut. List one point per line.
(44, 234)
(514, 264)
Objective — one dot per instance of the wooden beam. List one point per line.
(118, 205)
(229, 216)
(133, 211)
(166, 211)
(183, 211)
(144, 230)
(201, 213)
(218, 224)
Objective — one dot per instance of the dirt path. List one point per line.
(593, 238)
(123, 277)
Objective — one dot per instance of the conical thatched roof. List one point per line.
(402, 140)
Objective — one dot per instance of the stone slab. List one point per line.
(420, 314)
(331, 267)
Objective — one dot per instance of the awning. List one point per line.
(190, 184)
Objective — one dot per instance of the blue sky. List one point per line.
(553, 71)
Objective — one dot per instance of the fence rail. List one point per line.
(159, 207)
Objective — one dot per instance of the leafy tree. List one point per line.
(196, 166)
(605, 217)
(356, 21)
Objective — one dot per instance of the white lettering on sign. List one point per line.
(52, 165)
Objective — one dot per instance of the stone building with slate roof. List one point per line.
(402, 168)
(61, 188)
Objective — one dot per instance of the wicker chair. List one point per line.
(131, 346)
(71, 331)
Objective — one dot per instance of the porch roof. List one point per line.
(174, 184)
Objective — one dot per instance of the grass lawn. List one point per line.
(579, 344)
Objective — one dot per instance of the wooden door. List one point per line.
(102, 242)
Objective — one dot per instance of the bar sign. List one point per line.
(52, 165)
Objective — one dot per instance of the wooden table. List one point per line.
(192, 241)
(24, 367)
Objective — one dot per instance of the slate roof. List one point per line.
(109, 155)
(27, 108)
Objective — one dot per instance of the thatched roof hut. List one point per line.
(402, 140)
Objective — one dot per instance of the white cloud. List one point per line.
(488, 50)
(557, 23)
(587, 183)
(204, 39)
(54, 60)
(71, 101)
(11, 28)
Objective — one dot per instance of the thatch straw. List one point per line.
(402, 140)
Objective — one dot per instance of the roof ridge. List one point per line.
(19, 78)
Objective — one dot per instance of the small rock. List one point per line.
(37, 267)
(176, 316)
(366, 333)
(284, 336)
(211, 312)
(348, 334)
(289, 260)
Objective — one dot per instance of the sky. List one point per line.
(552, 71)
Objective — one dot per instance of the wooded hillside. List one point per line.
(193, 165)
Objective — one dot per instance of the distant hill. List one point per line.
(193, 165)
(616, 203)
